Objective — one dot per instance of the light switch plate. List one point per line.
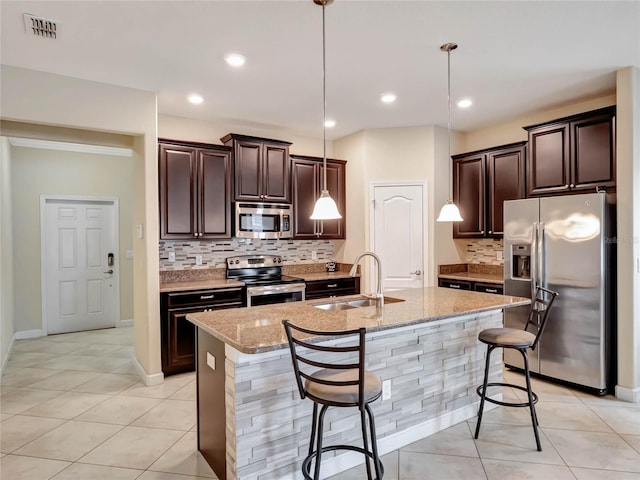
(172, 256)
(499, 254)
(211, 361)
(198, 259)
(129, 254)
(314, 255)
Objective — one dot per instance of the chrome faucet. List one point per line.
(379, 296)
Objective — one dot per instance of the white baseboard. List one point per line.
(22, 334)
(149, 380)
(628, 394)
(7, 355)
(124, 323)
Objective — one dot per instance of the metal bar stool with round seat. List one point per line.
(341, 381)
(521, 340)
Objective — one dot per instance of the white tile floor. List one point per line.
(72, 408)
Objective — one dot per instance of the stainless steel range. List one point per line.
(263, 277)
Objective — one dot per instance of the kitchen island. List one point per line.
(251, 421)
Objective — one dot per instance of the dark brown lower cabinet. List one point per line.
(485, 287)
(178, 348)
(332, 287)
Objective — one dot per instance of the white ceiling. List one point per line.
(514, 58)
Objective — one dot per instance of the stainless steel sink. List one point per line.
(350, 303)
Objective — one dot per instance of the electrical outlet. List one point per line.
(386, 390)
(198, 259)
(499, 254)
(211, 361)
(314, 254)
(172, 256)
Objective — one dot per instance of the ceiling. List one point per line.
(514, 58)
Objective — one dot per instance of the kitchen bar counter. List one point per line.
(259, 329)
(252, 424)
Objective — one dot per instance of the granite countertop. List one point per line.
(199, 285)
(472, 272)
(308, 277)
(259, 329)
(474, 277)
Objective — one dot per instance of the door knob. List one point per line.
(417, 272)
(110, 272)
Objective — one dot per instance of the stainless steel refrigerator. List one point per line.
(566, 244)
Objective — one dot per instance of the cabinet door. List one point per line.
(593, 152)
(214, 194)
(248, 162)
(305, 188)
(177, 174)
(469, 195)
(333, 229)
(548, 162)
(276, 174)
(178, 338)
(505, 171)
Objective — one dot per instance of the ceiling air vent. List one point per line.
(40, 27)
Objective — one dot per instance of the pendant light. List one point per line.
(449, 212)
(325, 207)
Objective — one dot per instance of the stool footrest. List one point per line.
(507, 404)
(306, 464)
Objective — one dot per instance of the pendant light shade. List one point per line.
(449, 211)
(325, 207)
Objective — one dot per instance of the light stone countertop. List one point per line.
(309, 277)
(199, 285)
(474, 277)
(259, 329)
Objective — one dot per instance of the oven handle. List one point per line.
(273, 289)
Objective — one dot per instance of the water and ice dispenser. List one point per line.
(521, 260)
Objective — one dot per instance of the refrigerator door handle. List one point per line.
(541, 256)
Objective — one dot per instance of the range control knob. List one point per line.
(279, 260)
(237, 262)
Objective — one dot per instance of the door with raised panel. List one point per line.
(398, 236)
(469, 195)
(81, 275)
(505, 171)
(177, 172)
(548, 161)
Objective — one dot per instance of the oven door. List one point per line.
(270, 294)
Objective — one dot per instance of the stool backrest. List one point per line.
(334, 358)
(539, 313)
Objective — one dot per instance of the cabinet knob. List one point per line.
(566, 186)
(482, 231)
(572, 185)
(490, 232)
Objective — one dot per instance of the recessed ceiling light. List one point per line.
(235, 59)
(195, 99)
(465, 103)
(388, 98)
(330, 123)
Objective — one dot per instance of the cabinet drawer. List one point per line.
(332, 287)
(457, 284)
(488, 288)
(221, 296)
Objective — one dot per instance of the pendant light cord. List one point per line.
(324, 104)
(449, 163)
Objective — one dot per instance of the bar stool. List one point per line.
(520, 340)
(336, 384)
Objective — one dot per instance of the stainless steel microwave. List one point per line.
(263, 220)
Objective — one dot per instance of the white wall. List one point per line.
(45, 99)
(397, 155)
(37, 171)
(187, 129)
(7, 328)
(628, 234)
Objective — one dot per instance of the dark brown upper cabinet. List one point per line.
(307, 179)
(195, 190)
(572, 154)
(482, 181)
(262, 168)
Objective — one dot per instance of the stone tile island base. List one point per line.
(254, 404)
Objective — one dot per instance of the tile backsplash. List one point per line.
(214, 253)
(484, 251)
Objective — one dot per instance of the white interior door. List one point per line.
(80, 264)
(398, 234)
